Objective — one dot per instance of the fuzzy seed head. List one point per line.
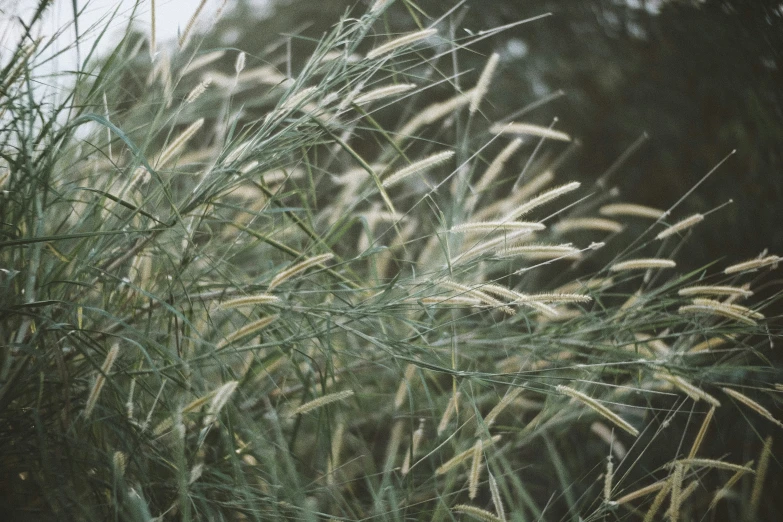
(483, 83)
(402, 41)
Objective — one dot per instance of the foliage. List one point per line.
(228, 293)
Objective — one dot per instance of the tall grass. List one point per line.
(228, 293)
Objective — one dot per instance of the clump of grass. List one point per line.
(319, 301)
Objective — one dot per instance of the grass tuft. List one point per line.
(235, 292)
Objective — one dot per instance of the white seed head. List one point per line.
(402, 41)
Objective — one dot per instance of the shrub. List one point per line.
(245, 295)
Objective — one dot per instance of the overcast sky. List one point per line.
(172, 16)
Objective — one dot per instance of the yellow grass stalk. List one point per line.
(418, 435)
(248, 329)
(395, 438)
(535, 184)
(713, 342)
(482, 86)
(237, 152)
(676, 493)
(459, 458)
(239, 63)
(641, 492)
(335, 55)
(702, 431)
(558, 298)
(630, 209)
(298, 268)
(183, 39)
(690, 390)
(535, 301)
(743, 310)
(297, 98)
(502, 291)
(196, 471)
(250, 300)
(179, 142)
(598, 408)
(334, 461)
(452, 300)
(379, 4)
(497, 501)
(195, 404)
(722, 492)
(496, 226)
(589, 284)
(670, 514)
(402, 41)
(200, 61)
(402, 390)
(603, 225)
(130, 404)
(517, 196)
(448, 412)
(507, 399)
(100, 380)
(715, 290)
(529, 129)
(153, 31)
(717, 311)
(383, 92)
(265, 75)
(502, 241)
(729, 311)
(753, 264)
(711, 463)
(433, 113)
(541, 252)
(753, 405)
(478, 294)
(658, 501)
(418, 167)
(761, 473)
(475, 469)
(633, 300)
(375, 216)
(680, 226)
(349, 98)
(657, 345)
(477, 513)
(139, 177)
(275, 177)
(321, 402)
(642, 264)
(549, 312)
(385, 258)
(161, 69)
(141, 269)
(219, 400)
(608, 436)
(496, 167)
(542, 199)
(608, 476)
(119, 462)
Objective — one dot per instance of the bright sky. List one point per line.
(172, 16)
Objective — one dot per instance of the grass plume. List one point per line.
(213, 308)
